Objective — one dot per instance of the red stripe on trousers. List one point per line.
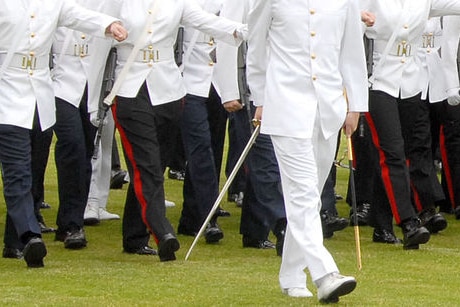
(445, 167)
(137, 182)
(385, 171)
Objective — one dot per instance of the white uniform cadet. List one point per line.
(301, 57)
(147, 99)
(26, 33)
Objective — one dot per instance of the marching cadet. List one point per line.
(26, 33)
(449, 114)
(397, 118)
(301, 56)
(204, 118)
(79, 60)
(147, 103)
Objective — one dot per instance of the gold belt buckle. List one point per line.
(80, 50)
(404, 49)
(428, 41)
(29, 62)
(150, 56)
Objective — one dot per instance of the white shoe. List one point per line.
(91, 215)
(334, 285)
(105, 215)
(169, 204)
(297, 292)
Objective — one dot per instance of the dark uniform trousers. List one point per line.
(263, 202)
(74, 147)
(401, 133)
(445, 120)
(203, 126)
(15, 158)
(145, 132)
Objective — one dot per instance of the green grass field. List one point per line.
(224, 274)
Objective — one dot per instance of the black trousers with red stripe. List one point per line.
(445, 127)
(401, 133)
(146, 132)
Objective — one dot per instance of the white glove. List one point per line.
(453, 96)
(93, 118)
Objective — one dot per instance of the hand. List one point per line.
(258, 114)
(368, 18)
(351, 123)
(94, 119)
(232, 106)
(117, 31)
(453, 96)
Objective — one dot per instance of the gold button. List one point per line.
(312, 33)
(403, 42)
(83, 36)
(403, 61)
(31, 72)
(313, 56)
(150, 31)
(428, 50)
(314, 78)
(211, 63)
(406, 26)
(150, 47)
(32, 15)
(150, 11)
(31, 53)
(150, 64)
(312, 11)
(32, 34)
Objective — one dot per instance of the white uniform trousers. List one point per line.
(102, 167)
(304, 165)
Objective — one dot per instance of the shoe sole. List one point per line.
(167, 248)
(91, 221)
(34, 253)
(341, 290)
(75, 244)
(214, 237)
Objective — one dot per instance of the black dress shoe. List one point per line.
(46, 229)
(13, 253)
(236, 198)
(414, 234)
(118, 179)
(255, 243)
(145, 250)
(385, 236)
(75, 239)
(213, 233)
(362, 214)
(222, 213)
(331, 223)
(34, 252)
(176, 174)
(432, 221)
(167, 246)
(44, 205)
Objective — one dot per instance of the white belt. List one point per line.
(30, 62)
(399, 48)
(148, 55)
(74, 49)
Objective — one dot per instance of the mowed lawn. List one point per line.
(223, 274)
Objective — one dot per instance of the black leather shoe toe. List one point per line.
(46, 229)
(145, 250)
(255, 243)
(385, 236)
(13, 253)
(75, 239)
(213, 233)
(167, 246)
(34, 252)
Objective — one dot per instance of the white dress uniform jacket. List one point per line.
(399, 74)
(163, 77)
(303, 79)
(432, 77)
(79, 59)
(450, 41)
(22, 89)
(199, 68)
